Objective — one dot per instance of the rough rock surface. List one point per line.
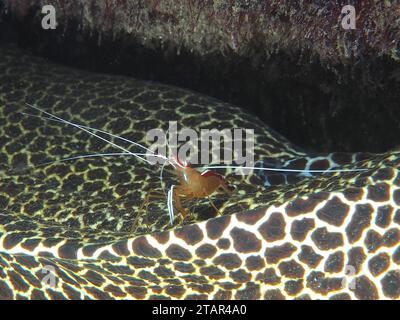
(289, 62)
(205, 26)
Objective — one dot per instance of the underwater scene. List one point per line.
(199, 150)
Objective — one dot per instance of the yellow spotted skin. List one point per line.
(334, 236)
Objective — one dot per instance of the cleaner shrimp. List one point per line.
(193, 184)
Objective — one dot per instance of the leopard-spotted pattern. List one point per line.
(332, 236)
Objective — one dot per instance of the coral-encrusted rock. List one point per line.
(289, 62)
(207, 26)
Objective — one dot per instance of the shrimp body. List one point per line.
(196, 185)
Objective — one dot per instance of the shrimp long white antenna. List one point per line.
(88, 131)
(95, 130)
(163, 166)
(284, 170)
(94, 155)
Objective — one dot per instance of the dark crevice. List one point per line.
(342, 108)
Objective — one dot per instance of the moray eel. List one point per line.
(66, 228)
